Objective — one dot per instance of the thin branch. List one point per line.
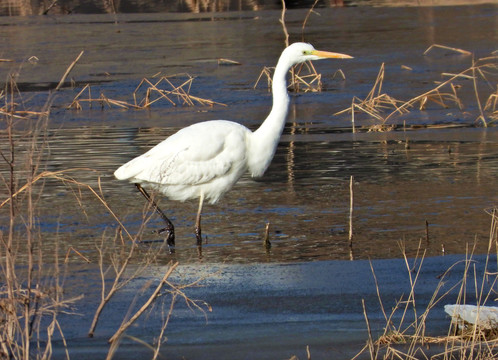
(144, 307)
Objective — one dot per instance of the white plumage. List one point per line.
(206, 159)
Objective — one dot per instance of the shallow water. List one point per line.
(267, 311)
(305, 196)
(402, 179)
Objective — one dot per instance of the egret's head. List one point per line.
(301, 52)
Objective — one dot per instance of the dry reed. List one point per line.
(147, 93)
(383, 109)
(28, 294)
(303, 77)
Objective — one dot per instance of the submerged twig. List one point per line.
(351, 206)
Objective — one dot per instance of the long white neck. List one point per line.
(264, 140)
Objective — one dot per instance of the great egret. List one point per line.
(206, 159)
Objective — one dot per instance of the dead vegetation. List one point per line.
(11, 104)
(404, 336)
(147, 93)
(303, 77)
(385, 110)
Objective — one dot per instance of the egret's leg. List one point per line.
(198, 234)
(170, 240)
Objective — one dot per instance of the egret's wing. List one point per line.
(194, 155)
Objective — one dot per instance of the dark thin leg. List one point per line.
(170, 228)
(198, 233)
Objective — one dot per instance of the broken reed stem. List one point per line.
(63, 79)
(410, 102)
(296, 79)
(72, 249)
(479, 106)
(375, 103)
(48, 103)
(461, 51)
(351, 205)
(223, 61)
(371, 345)
(266, 239)
(377, 87)
(181, 92)
(352, 116)
(308, 14)
(76, 103)
(282, 21)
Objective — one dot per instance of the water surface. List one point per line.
(403, 179)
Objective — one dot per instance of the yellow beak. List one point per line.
(332, 55)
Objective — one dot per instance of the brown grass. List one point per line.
(303, 77)
(385, 109)
(147, 93)
(33, 291)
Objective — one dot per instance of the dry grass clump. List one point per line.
(383, 108)
(147, 93)
(303, 78)
(404, 336)
(32, 292)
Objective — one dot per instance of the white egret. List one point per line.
(206, 159)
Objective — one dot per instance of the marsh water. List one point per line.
(403, 179)
(429, 183)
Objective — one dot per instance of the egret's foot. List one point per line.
(170, 237)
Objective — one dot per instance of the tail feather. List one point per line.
(127, 171)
